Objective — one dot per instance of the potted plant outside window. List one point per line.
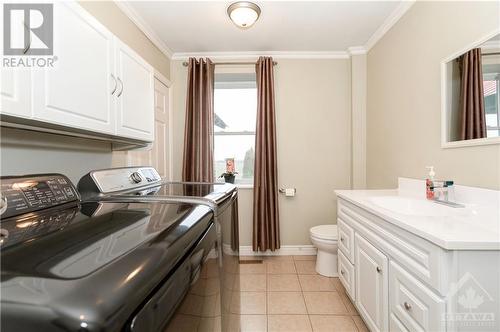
(228, 177)
(230, 174)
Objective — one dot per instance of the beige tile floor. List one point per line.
(285, 293)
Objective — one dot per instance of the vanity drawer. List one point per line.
(415, 306)
(346, 239)
(425, 260)
(346, 275)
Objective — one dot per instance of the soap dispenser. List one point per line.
(429, 183)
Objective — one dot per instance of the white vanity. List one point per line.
(410, 264)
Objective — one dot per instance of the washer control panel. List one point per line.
(23, 194)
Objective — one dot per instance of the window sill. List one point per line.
(243, 186)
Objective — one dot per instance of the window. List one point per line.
(235, 107)
(491, 84)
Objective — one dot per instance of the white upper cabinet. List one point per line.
(15, 92)
(77, 91)
(97, 85)
(134, 95)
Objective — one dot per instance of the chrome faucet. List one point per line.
(444, 193)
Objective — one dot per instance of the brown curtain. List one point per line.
(266, 231)
(198, 135)
(472, 115)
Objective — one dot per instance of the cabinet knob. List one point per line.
(407, 305)
(379, 270)
(342, 272)
(341, 239)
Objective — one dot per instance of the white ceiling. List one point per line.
(284, 26)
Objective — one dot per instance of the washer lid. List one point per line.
(327, 232)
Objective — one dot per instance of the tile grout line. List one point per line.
(303, 296)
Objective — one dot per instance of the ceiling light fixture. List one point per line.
(243, 13)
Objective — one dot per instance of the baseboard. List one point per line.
(296, 250)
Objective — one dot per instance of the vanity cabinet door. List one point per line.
(371, 284)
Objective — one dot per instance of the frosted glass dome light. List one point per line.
(243, 13)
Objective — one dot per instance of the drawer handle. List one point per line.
(379, 270)
(407, 306)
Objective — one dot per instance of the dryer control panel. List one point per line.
(112, 180)
(23, 194)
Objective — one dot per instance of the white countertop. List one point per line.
(475, 227)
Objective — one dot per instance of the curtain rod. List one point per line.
(495, 53)
(185, 64)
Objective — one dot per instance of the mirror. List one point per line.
(470, 84)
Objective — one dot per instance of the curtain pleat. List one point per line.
(266, 234)
(198, 161)
(472, 113)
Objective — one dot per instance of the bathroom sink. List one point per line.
(412, 206)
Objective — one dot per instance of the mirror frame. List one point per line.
(445, 143)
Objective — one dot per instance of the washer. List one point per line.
(69, 265)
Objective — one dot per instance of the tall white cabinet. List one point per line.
(98, 85)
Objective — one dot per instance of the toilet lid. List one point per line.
(327, 232)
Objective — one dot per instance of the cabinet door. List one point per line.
(371, 284)
(135, 95)
(77, 92)
(15, 92)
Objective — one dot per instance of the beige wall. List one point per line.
(108, 13)
(28, 152)
(314, 143)
(403, 108)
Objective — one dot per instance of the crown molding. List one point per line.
(490, 45)
(392, 19)
(389, 22)
(144, 27)
(256, 54)
(356, 50)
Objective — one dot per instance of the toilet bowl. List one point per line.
(324, 238)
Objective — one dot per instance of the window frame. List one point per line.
(495, 77)
(225, 85)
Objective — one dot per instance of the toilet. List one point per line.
(324, 238)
